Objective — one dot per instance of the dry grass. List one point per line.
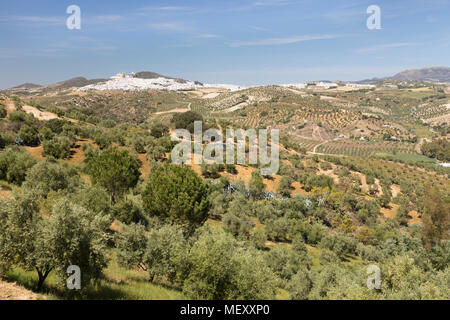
(12, 291)
(36, 152)
(415, 218)
(391, 212)
(145, 166)
(395, 190)
(41, 115)
(5, 194)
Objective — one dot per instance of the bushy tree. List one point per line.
(320, 181)
(155, 153)
(277, 229)
(263, 210)
(258, 238)
(158, 130)
(340, 244)
(14, 165)
(102, 139)
(327, 256)
(216, 269)
(237, 225)
(256, 184)
(300, 285)
(186, 120)
(285, 188)
(115, 170)
(253, 279)
(131, 244)
(19, 116)
(315, 232)
(29, 135)
(49, 176)
(164, 248)
(70, 236)
(219, 203)
(46, 133)
(57, 147)
(369, 252)
(56, 125)
(130, 210)
(286, 262)
(436, 218)
(439, 149)
(138, 143)
(3, 112)
(93, 198)
(177, 194)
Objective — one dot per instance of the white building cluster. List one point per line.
(122, 81)
(300, 85)
(360, 86)
(326, 85)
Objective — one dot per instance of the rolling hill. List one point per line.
(441, 74)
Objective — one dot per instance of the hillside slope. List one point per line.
(441, 74)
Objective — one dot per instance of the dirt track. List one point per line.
(12, 291)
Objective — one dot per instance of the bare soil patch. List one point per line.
(36, 152)
(395, 190)
(5, 194)
(41, 115)
(415, 218)
(12, 291)
(178, 110)
(391, 212)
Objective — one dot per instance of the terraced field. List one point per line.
(306, 143)
(363, 148)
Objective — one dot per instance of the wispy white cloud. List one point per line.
(271, 3)
(381, 47)
(208, 36)
(106, 18)
(67, 48)
(170, 26)
(81, 45)
(281, 41)
(173, 8)
(49, 20)
(61, 20)
(147, 10)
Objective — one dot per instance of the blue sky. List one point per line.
(227, 41)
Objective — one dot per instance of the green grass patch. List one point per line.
(118, 284)
(420, 130)
(406, 157)
(283, 294)
(314, 253)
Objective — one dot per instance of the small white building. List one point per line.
(360, 86)
(294, 85)
(326, 85)
(444, 164)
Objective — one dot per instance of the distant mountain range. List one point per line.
(441, 74)
(27, 86)
(71, 83)
(74, 82)
(435, 74)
